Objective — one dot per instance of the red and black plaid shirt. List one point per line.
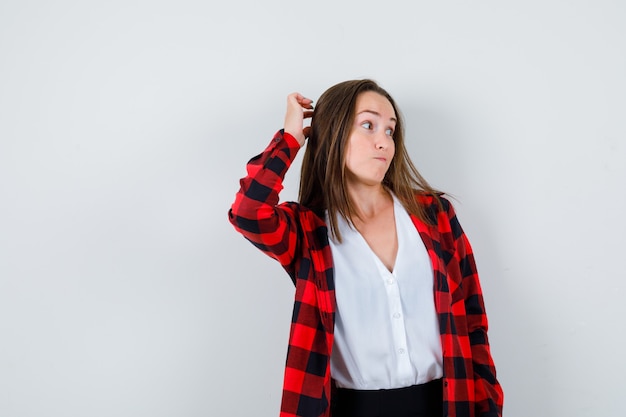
(298, 238)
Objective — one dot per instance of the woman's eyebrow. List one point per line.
(393, 119)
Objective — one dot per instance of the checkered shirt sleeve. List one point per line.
(470, 375)
(256, 213)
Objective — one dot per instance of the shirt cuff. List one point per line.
(291, 141)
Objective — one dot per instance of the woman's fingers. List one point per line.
(298, 109)
(307, 103)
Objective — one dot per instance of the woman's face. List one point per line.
(370, 147)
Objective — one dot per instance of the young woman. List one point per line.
(388, 319)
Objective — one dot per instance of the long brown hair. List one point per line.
(323, 175)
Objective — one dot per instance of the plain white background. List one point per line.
(125, 126)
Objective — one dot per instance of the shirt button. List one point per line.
(396, 316)
(401, 351)
(390, 281)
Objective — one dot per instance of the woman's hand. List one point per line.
(298, 109)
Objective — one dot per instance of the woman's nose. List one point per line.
(382, 140)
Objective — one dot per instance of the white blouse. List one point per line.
(386, 330)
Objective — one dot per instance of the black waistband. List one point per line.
(415, 401)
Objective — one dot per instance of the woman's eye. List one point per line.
(389, 132)
(366, 125)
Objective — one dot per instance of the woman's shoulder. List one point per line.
(304, 213)
(432, 199)
(436, 207)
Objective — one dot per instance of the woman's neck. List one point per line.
(368, 201)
